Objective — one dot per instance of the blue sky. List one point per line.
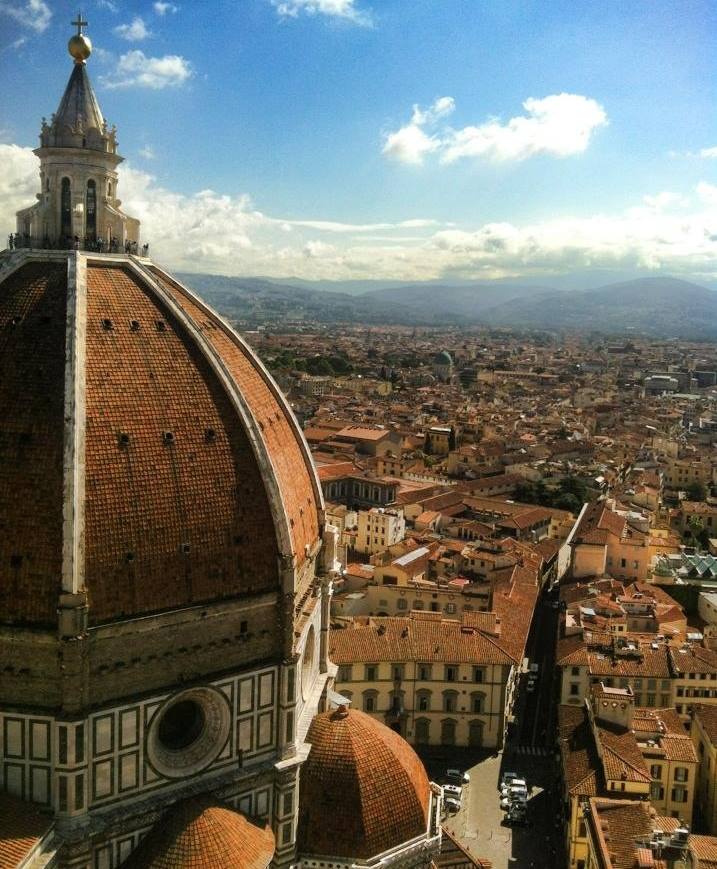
(301, 111)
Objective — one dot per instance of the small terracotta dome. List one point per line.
(202, 832)
(363, 788)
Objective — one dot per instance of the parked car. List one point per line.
(514, 785)
(452, 805)
(535, 668)
(510, 801)
(531, 685)
(457, 777)
(454, 791)
(517, 815)
(507, 778)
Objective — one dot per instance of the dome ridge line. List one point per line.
(271, 384)
(73, 511)
(281, 519)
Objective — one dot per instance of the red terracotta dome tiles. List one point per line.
(203, 834)
(363, 788)
(32, 371)
(176, 510)
(295, 477)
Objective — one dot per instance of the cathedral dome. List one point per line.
(147, 459)
(363, 788)
(199, 833)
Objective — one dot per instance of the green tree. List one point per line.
(696, 491)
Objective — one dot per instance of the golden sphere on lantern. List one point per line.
(79, 47)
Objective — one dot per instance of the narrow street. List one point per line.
(530, 752)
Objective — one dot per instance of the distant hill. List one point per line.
(665, 307)
(464, 302)
(257, 301)
(658, 306)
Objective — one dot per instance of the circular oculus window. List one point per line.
(188, 732)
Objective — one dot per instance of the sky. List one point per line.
(401, 139)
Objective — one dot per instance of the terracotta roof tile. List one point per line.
(707, 716)
(617, 824)
(149, 500)
(294, 473)
(201, 833)
(22, 826)
(32, 375)
(580, 762)
(363, 788)
(414, 638)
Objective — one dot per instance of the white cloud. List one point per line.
(108, 4)
(342, 9)
(35, 14)
(19, 181)
(206, 231)
(162, 8)
(135, 69)
(559, 124)
(134, 32)
(709, 153)
(410, 144)
(147, 152)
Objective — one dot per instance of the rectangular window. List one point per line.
(371, 672)
(451, 673)
(575, 671)
(424, 672)
(288, 803)
(656, 770)
(651, 684)
(62, 745)
(450, 608)
(290, 684)
(650, 699)
(80, 743)
(62, 792)
(681, 773)
(657, 792)
(574, 690)
(402, 603)
(79, 792)
(679, 795)
(478, 674)
(345, 673)
(397, 672)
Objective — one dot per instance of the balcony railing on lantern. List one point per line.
(20, 241)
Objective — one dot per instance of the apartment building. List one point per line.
(436, 681)
(379, 528)
(610, 748)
